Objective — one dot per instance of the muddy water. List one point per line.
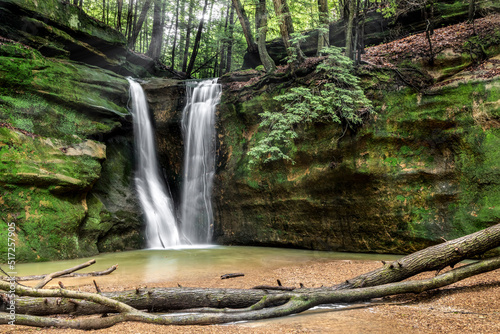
(173, 265)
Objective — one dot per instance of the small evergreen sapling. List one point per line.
(336, 97)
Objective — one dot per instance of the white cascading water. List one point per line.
(161, 227)
(198, 124)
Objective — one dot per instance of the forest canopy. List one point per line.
(206, 38)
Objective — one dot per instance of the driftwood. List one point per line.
(212, 306)
(233, 275)
(72, 274)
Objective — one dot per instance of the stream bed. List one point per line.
(150, 266)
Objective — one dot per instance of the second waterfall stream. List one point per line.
(195, 227)
(198, 126)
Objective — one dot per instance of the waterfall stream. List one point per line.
(198, 125)
(161, 227)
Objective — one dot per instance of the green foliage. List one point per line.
(335, 98)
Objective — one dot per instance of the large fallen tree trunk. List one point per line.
(269, 306)
(165, 299)
(211, 306)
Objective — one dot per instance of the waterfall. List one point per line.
(161, 227)
(198, 125)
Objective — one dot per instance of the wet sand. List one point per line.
(469, 306)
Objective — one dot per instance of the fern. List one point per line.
(337, 98)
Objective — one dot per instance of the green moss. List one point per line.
(72, 17)
(39, 161)
(73, 85)
(46, 225)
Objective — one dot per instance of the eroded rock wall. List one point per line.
(66, 141)
(423, 169)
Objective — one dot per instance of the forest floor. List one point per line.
(469, 306)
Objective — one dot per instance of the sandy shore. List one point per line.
(469, 306)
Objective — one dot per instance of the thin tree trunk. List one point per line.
(429, 30)
(224, 43)
(182, 28)
(157, 32)
(130, 16)
(286, 28)
(197, 40)
(139, 23)
(208, 46)
(188, 36)
(324, 30)
(107, 13)
(348, 31)
(172, 61)
(103, 11)
(119, 15)
(163, 24)
(472, 10)
(361, 27)
(261, 28)
(229, 54)
(245, 25)
(134, 24)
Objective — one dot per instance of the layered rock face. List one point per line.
(61, 30)
(66, 146)
(423, 169)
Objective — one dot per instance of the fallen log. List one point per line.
(287, 303)
(431, 258)
(40, 277)
(214, 306)
(47, 278)
(167, 299)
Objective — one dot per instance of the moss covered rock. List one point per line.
(44, 182)
(424, 168)
(60, 29)
(65, 169)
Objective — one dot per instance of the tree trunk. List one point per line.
(157, 33)
(324, 30)
(430, 258)
(182, 28)
(130, 20)
(172, 61)
(197, 40)
(429, 31)
(377, 283)
(229, 54)
(119, 15)
(224, 43)
(245, 25)
(472, 10)
(286, 28)
(188, 36)
(269, 306)
(140, 22)
(261, 28)
(351, 6)
(361, 27)
(208, 48)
